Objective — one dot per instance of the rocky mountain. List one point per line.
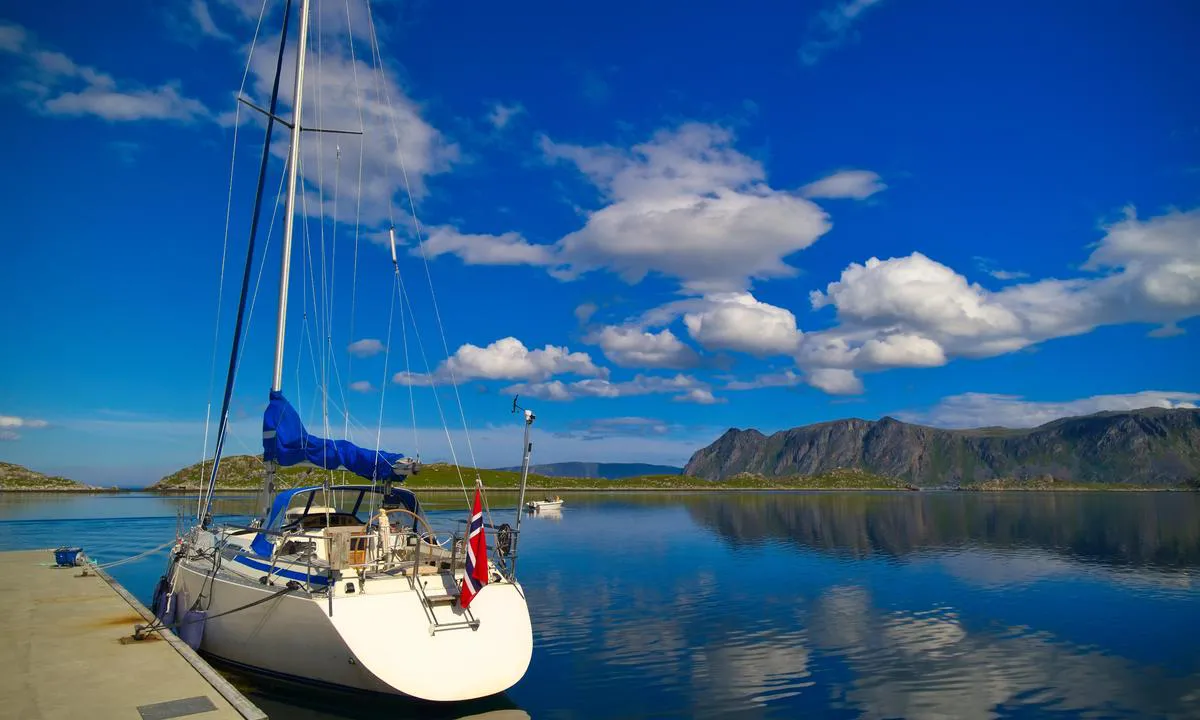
(1152, 446)
(607, 471)
(18, 477)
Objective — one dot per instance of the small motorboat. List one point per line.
(548, 504)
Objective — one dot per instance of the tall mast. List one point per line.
(289, 217)
(255, 216)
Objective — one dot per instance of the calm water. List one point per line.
(792, 605)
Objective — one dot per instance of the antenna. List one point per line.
(529, 416)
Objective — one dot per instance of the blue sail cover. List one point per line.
(286, 442)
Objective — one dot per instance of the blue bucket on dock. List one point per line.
(67, 556)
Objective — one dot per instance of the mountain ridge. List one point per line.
(1144, 447)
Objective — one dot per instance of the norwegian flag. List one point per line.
(477, 569)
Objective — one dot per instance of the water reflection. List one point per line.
(920, 605)
(1155, 529)
(927, 664)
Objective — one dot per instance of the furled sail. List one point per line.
(286, 442)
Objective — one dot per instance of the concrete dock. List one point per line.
(63, 655)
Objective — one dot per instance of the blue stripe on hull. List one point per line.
(289, 574)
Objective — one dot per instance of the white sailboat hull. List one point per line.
(378, 639)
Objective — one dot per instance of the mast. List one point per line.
(289, 217)
(203, 513)
(289, 224)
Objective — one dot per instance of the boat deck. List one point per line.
(67, 654)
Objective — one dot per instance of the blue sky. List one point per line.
(652, 223)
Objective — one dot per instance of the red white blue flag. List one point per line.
(477, 569)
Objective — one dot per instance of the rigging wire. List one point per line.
(234, 352)
(212, 369)
(428, 274)
(358, 100)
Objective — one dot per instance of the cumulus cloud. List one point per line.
(629, 346)
(681, 385)
(971, 410)
(55, 84)
(700, 396)
(831, 28)
(740, 322)
(916, 312)
(686, 205)
(362, 386)
(365, 347)
(853, 184)
(835, 381)
(509, 359)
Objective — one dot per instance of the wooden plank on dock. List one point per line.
(61, 634)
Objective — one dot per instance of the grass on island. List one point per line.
(244, 472)
(16, 477)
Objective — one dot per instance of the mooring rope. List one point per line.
(139, 556)
(139, 631)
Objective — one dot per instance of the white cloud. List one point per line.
(507, 249)
(972, 410)
(915, 312)
(630, 346)
(12, 421)
(835, 381)
(831, 28)
(407, 377)
(365, 347)
(701, 396)
(509, 359)
(901, 350)
(585, 311)
(12, 37)
(204, 20)
(54, 84)
(686, 205)
(738, 321)
(988, 266)
(501, 115)
(362, 386)
(345, 92)
(856, 184)
(604, 388)
(787, 378)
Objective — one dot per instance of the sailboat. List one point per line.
(344, 585)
